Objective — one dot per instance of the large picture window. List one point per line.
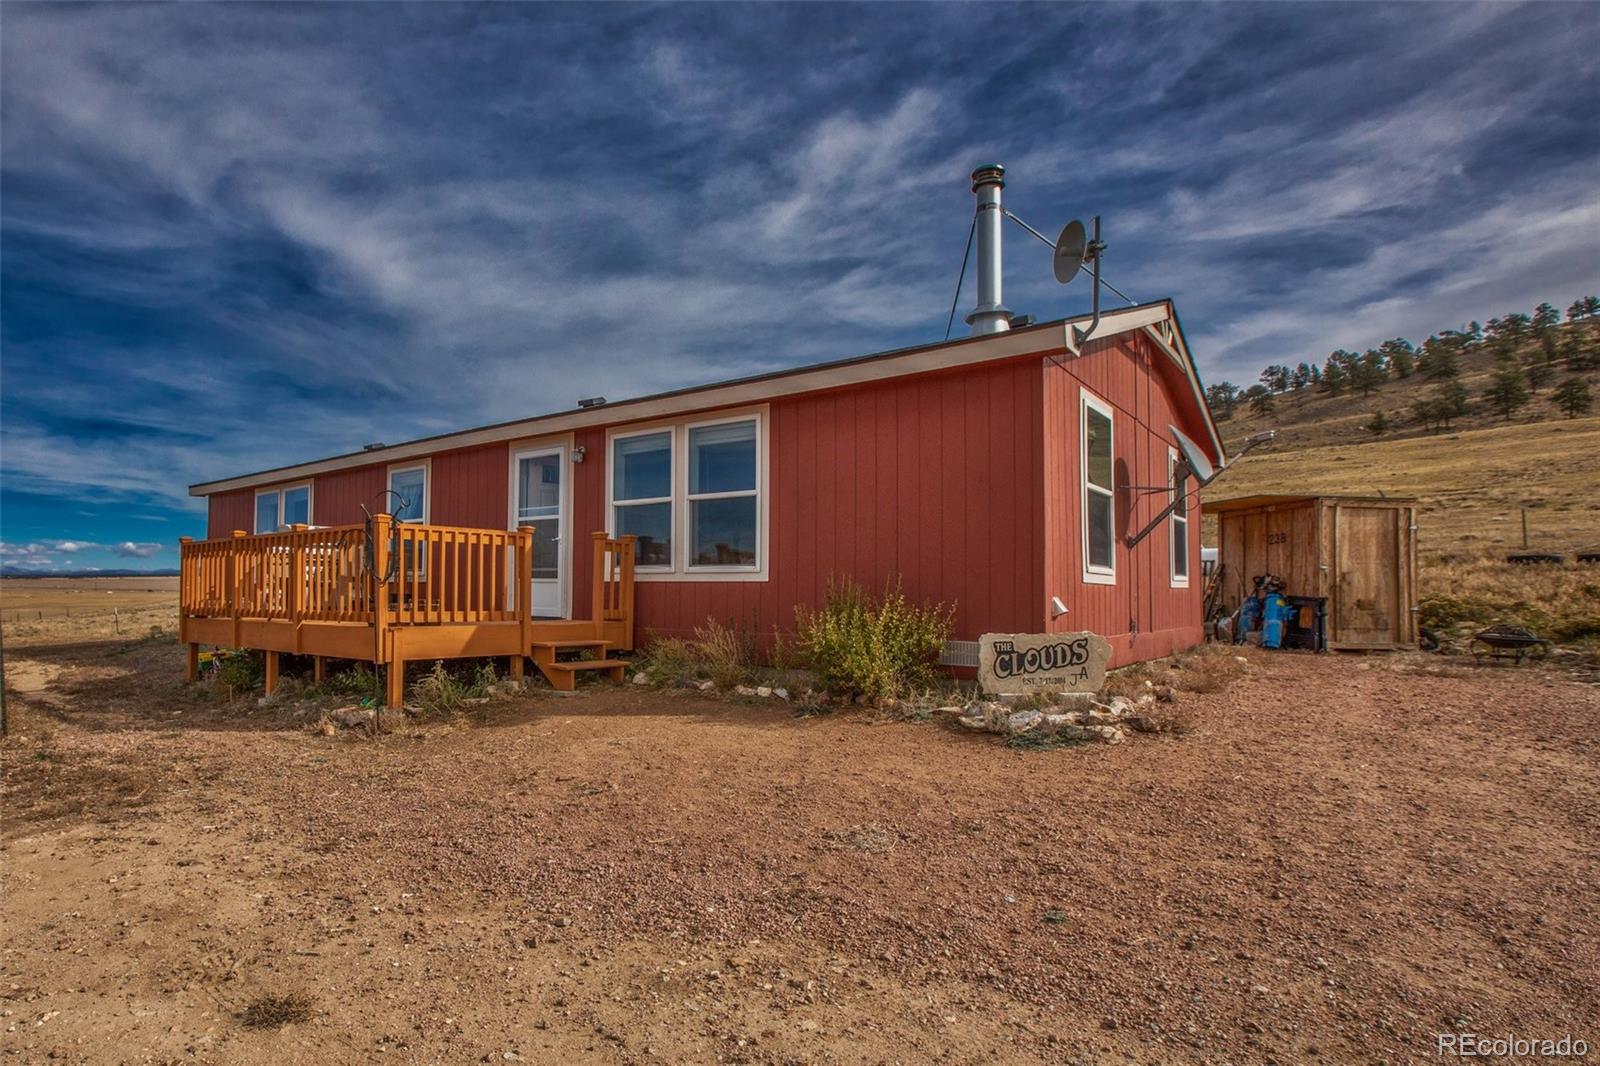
(693, 495)
(1098, 448)
(281, 508)
(1176, 474)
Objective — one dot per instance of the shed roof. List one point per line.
(1246, 503)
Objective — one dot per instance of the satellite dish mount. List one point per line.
(1090, 254)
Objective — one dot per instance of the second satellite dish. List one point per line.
(1070, 247)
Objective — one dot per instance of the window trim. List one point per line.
(1087, 401)
(678, 430)
(670, 499)
(280, 492)
(1178, 581)
(426, 466)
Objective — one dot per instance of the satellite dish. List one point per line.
(1070, 247)
(1196, 459)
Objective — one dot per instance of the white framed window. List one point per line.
(283, 507)
(695, 495)
(641, 496)
(723, 493)
(1097, 448)
(1178, 478)
(409, 483)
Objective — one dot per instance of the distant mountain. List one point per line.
(18, 571)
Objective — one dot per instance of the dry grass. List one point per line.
(1471, 485)
(274, 1012)
(1460, 595)
(1207, 668)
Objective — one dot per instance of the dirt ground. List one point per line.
(1341, 858)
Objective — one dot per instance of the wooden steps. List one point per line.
(563, 673)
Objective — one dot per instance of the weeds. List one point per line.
(872, 647)
(240, 671)
(727, 653)
(356, 683)
(274, 1012)
(441, 694)
(669, 661)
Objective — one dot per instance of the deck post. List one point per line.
(319, 668)
(272, 672)
(295, 582)
(395, 692)
(597, 585)
(188, 578)
(234, 577)
(524, 594)
(625, 592)
(194, 662)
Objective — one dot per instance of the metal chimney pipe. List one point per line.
(990, 316)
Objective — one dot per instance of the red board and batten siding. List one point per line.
(1141, 614)
(932, 479)
(962, 483)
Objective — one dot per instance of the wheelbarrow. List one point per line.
(1509, 642)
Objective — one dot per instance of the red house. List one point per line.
(1002, 472)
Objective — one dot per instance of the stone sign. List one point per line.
(1018, 663)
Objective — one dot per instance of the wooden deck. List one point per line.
(394, 593)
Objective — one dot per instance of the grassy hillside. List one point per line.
(1311, 417)
(1472, 485)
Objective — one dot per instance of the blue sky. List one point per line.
(235, 236)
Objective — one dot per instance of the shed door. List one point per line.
(1367, 610)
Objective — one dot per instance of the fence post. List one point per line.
(293, 594)
(597, 585)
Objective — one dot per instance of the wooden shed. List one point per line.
(1360, 552)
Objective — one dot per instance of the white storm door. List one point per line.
(541, 502)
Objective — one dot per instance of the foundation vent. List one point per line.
(959, 653)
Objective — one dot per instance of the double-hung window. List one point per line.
(409, 485)
(692, 494)
(1097, 447)
(1177, 475)
(281, 508)
(723, 513)
(641, 495)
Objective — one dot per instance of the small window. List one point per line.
(410, 488)
(1178, 475)
(723, 516)
(278, 509)
(641, 495)
(1099, 493)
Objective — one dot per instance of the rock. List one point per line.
(1023, 722)
(1108, 733)
(1164, 694)
(706, 686)
(974, 723)
(1119, 705)
(351, 717)
(781, 693)
(743, 690)
(951, 710)
(326, 728)
(1140, 724)
(641, 678)
(1146, 700)
(764, 692)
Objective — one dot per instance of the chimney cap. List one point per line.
(988, 174)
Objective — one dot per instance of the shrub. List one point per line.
(240, 671)
(357, 682)
(669, 661)
(727, 653)
(872, 647)
(442, 694)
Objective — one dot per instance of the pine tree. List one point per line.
(1538, 374)
(1399, 356)
(1507, 391)
(1438, 360)
(1370, 371)
(1573, 397)
(1379, 424)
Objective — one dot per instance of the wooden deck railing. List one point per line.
(429, 575)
